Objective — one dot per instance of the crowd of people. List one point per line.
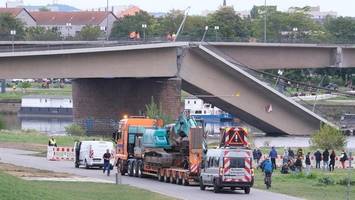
(296, 162)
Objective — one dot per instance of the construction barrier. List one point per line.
(279, 160)
(60, 153)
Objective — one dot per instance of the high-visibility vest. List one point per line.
(52, 141)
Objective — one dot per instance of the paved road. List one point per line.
(23, 158)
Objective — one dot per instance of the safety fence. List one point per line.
(60, 153)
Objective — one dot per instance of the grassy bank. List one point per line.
(19, 93)
(12, 188)
(310, 187)
(35, 141)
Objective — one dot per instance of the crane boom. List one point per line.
(181, 27)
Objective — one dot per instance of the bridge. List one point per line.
(112, 81)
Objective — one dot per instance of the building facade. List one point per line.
(22, 14)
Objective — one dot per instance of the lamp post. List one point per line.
(294, 30)
(204, 34)
(265, 12)
(216, 28)
(144, 27)
(107, 15)
(13, 33)
(68, 26)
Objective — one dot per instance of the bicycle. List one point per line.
(267, 180)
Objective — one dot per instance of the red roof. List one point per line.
(129, 12)
(75, 18)
(13, 11)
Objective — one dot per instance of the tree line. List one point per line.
(223, 25)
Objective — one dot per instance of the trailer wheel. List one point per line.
(121, 168)
(135, 168)
(184, 181)
(166, 178)
(140, 169)
(160, 177)
(130, 168)
(247, 190)
(179, 181)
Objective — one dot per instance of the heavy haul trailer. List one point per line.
(172, 154)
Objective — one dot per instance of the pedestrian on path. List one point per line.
(343, 158)
(308, 164)
(325, 159)
(107, 157)
(332, 161)
(318, 157)
(273, 156)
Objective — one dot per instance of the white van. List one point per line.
(90, 153)
(227, 167)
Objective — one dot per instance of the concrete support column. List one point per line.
(98, 104)
(2, 85)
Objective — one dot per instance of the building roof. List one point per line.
(13, 11)
(132, 10)
(75, 18)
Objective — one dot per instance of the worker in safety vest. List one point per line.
(52, 142)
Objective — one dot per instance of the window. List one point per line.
(216, 162)
(237, 163)
(188, 102)
(194, 102)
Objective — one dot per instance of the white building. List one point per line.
(71, 23)
(14, 3)
(316, 14)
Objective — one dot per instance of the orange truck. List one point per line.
(172, 153)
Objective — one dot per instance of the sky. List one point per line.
(342, 7)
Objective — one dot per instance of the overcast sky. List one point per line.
(343, 7)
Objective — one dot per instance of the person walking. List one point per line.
(291, 154)
(273, 156)
(332, 161)
(308, 164)
(255, 157)
(318, 157)
(107, 157)
(325, 159)
(343, 158)
(267, 168)
(259, 155)
(298, 164)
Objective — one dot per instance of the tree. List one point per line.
(74, 130)
(231, 26)
(44, 9)
(156, 112)
(8, 23)
(341, 29)
(41, 34)
(127, 24)
(328, 137)
(88, 33)
(2, 123)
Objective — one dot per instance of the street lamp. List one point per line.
(265, 11)
(107, 15)
(204, 34)
(216, 28)
(68, 25)
(13, 33)
(295, 30)
(144, 27)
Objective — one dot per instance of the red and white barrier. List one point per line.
(60, 153)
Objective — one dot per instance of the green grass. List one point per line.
(18, 94)
(12, 188)
(309, 187)
(39, 138)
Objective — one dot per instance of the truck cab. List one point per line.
(229, 165)
(225, 167)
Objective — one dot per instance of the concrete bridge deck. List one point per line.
(203, 72)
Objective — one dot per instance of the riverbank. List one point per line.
(320, 185)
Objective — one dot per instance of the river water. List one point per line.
(56, 126)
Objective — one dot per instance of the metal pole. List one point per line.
(216, 34)
(3, 85)
(315, 100)
(265, 11)
(13, 43)
(107, 34)
(349, 176)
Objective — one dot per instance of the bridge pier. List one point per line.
(98, 103)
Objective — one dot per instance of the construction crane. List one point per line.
(181, 27)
